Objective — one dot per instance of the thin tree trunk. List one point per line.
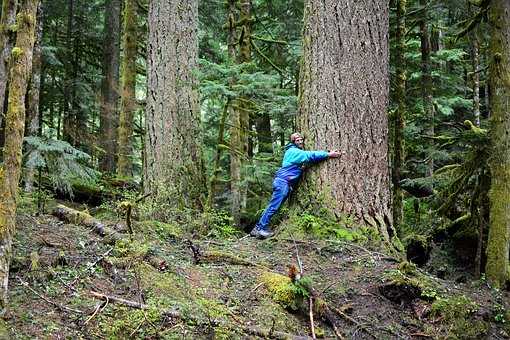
(68, 114)
(427, 79)
(128, 100)
(110, 85)
(32, 116)
(398, 124)
(239, 133)
(7, 21)
(497, 268)
(173, 168)
(217, 157)
(344, 82)
(21, 65)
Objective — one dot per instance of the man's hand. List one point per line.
(334, 154)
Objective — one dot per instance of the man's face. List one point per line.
(300, 142)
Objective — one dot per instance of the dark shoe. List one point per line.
(261, 233)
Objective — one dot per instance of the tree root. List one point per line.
(260, 332)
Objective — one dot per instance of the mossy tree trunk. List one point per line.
(7, 20)
(128, 99)
(426, 82)
(497, 268)
(398, 119)
(240, 120)
(173, 170)
(21, 65)
(32, 123)
(343, 101)
(110, 85)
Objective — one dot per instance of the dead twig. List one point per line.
(59, 306)
(90, 266)
(312, 326)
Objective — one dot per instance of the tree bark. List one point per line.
(7, 20)
(128, 99)
(343, 100)
(110, 85)
(21, 65)
(497, 268)
(428, 103)
(32, 117)
(398, 123)
(475, 48)
(68, 114)
(173, 169)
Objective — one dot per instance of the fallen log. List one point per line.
(109, 235)
(260, 332)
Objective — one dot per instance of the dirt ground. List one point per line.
(223, 291)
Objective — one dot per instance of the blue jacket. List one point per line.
(293, 161)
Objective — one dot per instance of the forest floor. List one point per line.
(230, 288)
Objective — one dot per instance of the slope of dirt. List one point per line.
(229, 288)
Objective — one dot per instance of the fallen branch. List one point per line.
(264, 333)
(90, 266)
(59, 306)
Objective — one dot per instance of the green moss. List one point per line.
(456, 315)
(16, 52)
(164, 231)
(132, 249)
(281, 289)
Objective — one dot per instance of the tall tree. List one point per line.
(32, 121)
(21, 65)
(497, 268)
(426, 82)
(173, 145)
(240, 118)
(110, 84)
(128, 99)
(7, 20)
(398, 121)
(342, 105)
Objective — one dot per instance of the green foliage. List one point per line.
(308, 225)
(61, 162)
(287, 293)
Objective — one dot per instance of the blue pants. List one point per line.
(281, 190)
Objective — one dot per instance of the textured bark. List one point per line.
(427, 78)
(21, 65)
(398, 123)
(173, 167)
(7, 19)
(128, 99)
(110, 85)
(32, 117)
(497, 268)
(240, 119)
(342, 105)
(68, 114)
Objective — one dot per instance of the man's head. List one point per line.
(297, 139)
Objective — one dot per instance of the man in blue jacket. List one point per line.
(286, 178)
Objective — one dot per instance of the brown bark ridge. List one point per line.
(110, 85)
(32, 117)
(173, 169)
(497, 268)
(21, 66)
(128, 99)
(7, 20)
(343, 100)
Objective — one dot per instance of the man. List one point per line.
(286, 178)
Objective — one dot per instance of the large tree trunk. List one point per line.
(173, 168)
(110, 85)
(426, 82)
(497, 268)
(7, 21)
(32, 117)
(21, 65)
(398, 122)
(128, 100)
(343, 105)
